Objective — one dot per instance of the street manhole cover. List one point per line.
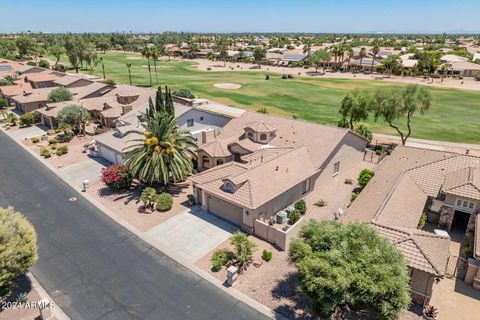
(72, 199)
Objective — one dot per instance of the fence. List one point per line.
(276, 236)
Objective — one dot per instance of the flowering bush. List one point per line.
(116, 177)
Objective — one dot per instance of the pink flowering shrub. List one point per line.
(116, 177)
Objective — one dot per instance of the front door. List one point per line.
(199, 196)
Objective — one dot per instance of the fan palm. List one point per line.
(146, 52)
(375, 51)
(164, 154)
(129, 66)
(155, 54)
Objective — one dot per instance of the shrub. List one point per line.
(378, 147)
(364, 131)
(364, 177)
(53, 146)
(295, 116)
(116, 177)
(60, 67)
(267, 255)
(301, 206)
(52, 141)
(284, 76)
(294, 217)
(353, 196)
(220, 258)
(31, 63)
(35, 140)
(43, 63)
(348, 181)
(468, 246)
(59, 94)
(27, 119)
(3, 103)
(110, 82)
(262, 110)
(267, 77)
(320, 203)
(148, 197)
(290, 76)
(378, 152)
(44, 152)
(477, 76)
(62, 150)
(423, 220)
(243, 249)
(18, 243)
(184, 93)
(191, 200)
(163, 202)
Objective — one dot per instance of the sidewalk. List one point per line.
(151, 240)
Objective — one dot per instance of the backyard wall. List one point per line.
(273, 235)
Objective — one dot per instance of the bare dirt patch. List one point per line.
(228, 86)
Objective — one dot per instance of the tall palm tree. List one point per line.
(164, 154)
(349, 49)
(375, 51)
(363, 53)
(129, 66)
(155, 53)
(147, 54)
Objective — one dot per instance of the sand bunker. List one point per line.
(134, 58)
(230, 86)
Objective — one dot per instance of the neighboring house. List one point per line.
(409, 182)
(260, 164)
(366, 64)
(466, 69)
(449, 58)
(45, 79)
(103, 109)
(70, 81)
(294, 56)
(203, 121)
(408, 60)
(37, 98)
(19, 87)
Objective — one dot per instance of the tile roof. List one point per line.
(119, 142)
(36, 95)
(423, 250)
(217, 148)
(260, 126)
(258, 183)
(464, 183)
(320, 140)
(44, 76)
(16, 89)
(68, 80)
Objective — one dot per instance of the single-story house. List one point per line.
(449, 58)
(261, 164)
(72, 81)
(408, 183)
(44, 79)
(19, 87)
(466, 69)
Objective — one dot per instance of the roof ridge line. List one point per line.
(426, 257)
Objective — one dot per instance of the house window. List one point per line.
(336, 168)
(306, 186)
(190, 123)
(250, 135)
(466, 204)
(219, 162)
(201, 118)
(263, 137)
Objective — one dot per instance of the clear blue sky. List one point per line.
(418, 16)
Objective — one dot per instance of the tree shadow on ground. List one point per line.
(19, 285)
(297, 306)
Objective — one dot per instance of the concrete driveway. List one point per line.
(88, 169)
(192, 233)
(27, 133)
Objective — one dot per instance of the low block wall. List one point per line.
(273, 235)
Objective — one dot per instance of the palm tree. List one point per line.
(164, 154)
(155, 53)
(363, 53)
(129, 66)
(375, 51)
(103, 67)
(350, 56)
(445, 68)
(147, 54)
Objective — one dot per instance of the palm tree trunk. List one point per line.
(130, 76)
(103, 70)
(150, 72)
(155, 66)
(373, 61)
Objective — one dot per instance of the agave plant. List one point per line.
(164, 154)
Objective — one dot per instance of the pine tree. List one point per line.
(151, 107)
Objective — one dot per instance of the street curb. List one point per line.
(151, 241)
(57, 312)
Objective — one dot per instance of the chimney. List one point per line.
(208, 135)
(126, 109)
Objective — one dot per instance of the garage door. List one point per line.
(108, 154)
(225, 210)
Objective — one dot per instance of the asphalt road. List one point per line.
(93, 267)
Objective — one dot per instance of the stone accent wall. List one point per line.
(446, 217)
(471, 223)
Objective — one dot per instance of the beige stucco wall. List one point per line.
(28, 107)
(451, 200)
(212, 160)
(421, 282)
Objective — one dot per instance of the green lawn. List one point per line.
(454, 115)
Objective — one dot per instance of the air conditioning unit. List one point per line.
(281, 217)
(289, 210)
